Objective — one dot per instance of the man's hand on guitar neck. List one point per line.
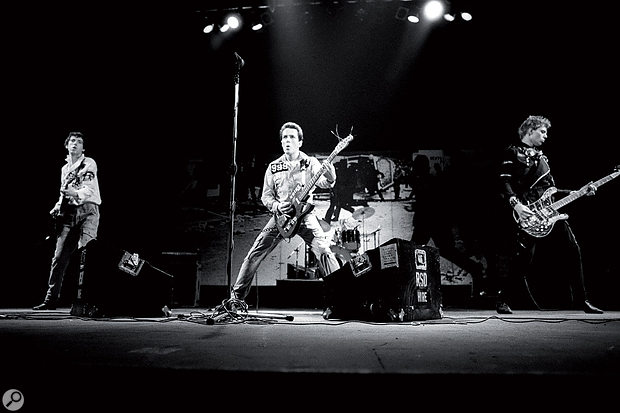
(590, 189)
(330, 172)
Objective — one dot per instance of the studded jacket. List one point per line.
(524, 173)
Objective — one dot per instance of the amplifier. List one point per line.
(397, 281)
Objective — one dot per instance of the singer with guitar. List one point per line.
(76, 215)
(525, 184)
(288, 185)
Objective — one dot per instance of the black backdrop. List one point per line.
(151, 90)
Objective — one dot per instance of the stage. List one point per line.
(173, 362)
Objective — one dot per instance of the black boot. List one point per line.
(500, 305)
(502, 308)
(45, 305)
(82, 305)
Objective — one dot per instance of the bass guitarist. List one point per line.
(524, 177)
(284, 179)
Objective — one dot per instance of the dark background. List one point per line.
(151, 91)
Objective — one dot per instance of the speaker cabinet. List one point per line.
(397, 281)
(115, 283)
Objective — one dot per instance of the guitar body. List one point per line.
(545, 211)
(289, 224)
(545, 216)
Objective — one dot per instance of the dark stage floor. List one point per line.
(468, 357)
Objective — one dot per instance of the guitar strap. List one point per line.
(542, 169)
(303, 165)
(74, 173)
(67, 210)
(535, 174)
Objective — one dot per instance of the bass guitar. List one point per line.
(288, 224)
(545, 212)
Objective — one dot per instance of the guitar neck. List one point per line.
(317, 175)
(578, 194)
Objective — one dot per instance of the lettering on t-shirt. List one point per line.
(278, 167)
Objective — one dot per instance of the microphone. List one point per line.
(239, 60)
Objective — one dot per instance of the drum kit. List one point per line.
(347, 240)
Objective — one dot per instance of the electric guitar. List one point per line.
(546, 212)
(288, 224)
(60, 217)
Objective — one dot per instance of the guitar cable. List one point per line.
(527, 287)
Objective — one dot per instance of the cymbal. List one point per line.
(365, 212)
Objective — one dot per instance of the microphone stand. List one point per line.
(233, 171)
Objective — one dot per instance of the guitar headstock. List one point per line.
(343, 143)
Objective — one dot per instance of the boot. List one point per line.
(45, 305)
(81, 306)
(502, 308)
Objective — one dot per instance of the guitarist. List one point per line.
(76, 214)
(282, 176)
(524, 176)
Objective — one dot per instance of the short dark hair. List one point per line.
(292, 125)
(72, 134)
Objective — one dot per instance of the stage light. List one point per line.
(412, 18)
(234, 21)
(433, 10)
(208, 28)
(259, 18)
(412, 11)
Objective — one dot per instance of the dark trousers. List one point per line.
(79, 228)
(560, 246)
